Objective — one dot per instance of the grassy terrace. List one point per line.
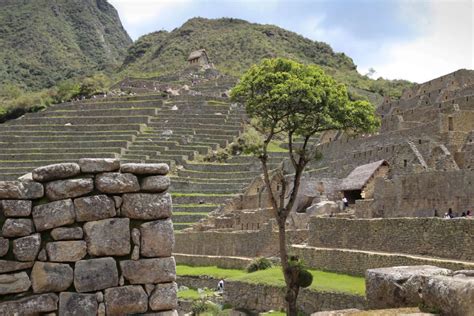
(322, 281)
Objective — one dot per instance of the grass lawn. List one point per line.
(192, 294)
(274, 147)
(322, 281)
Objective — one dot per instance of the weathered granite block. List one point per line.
(157, 238)
(66, 251)
(146, 206)
(125, 300)
(93, 208)
(32, 305)
(10, 266)
(21, 190)
(27, 248)
(97, 165)
(164, 297)
(155, 184)
(56, 172)
(75, 304)
(54, 214)
(51, 277)
(114, 183)
(17, 227)
(146, 271)
(95, 274)
(65, 189)
(4, 246)
(108, 237)
(67, 233)
(16, 208)
(14, 283)
(146, 168)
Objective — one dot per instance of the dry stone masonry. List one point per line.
(88, 238)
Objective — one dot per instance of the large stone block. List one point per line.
(16, 208)
(146, 271)
(67, 233)
(95, 274)
(125, 300)
(56, 172)
(10, 266)
(54, 214)
(108, 237)
(157, 238)
(146, 168)
(75, 304)
(164, 297)
(97, 165)
(147, 206)
(4, 246)
(93, 208)
(31, 305)
(14, 283)
(27, 248)
(155, 184)
(17, 227)
(51, 277)
(65, 189)
(114, 182)
(66, 251)
(21, 190)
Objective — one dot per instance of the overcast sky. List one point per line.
(401, 39)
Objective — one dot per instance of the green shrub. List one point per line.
(259, 264)
(305, 278)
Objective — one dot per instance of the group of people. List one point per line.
(450, 214)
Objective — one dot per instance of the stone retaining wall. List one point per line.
(224, 262)
(88, 238)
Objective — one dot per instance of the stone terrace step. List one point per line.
(69, 144)
(188, 186)
(56, 150)
(106, 105)
(199, 198)
(217, 175)
(92, 120)
(179, 217)
(101, 112)
(221, 167)
(198, 208)
(71, 128)
(43, 156)
(69, 133)
(72, 138)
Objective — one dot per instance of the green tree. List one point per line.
(283, 97)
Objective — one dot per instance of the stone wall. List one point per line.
(88, 238)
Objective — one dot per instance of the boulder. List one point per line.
(95, 274)
(31, 305)
(66, 251)
(155, 184)
(14, 283)
(108, 237)
(4, 246)
(72, 304)
(146, 168)
(16, 208)
(114, 183)
(93, 208)
(97, 165)
(65, 189)
(323, 208)
(51, 277)
(125, 300)
(157, 238)
(56, 172)
(67, 233)
(54, 214)
(27, 248)
(17, 227)
(164, 297)
(146, 206)
(145, 271)
(10, 266)
(21, 190)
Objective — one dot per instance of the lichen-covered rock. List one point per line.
(4, 246)
(51, 277)
(17, 227)
(14, 283)
(125, 300)
(97, 165)
(164, 297)
(93, 208)
(108, 237)
(114, 182)
(31, 305)
(157, 238)
(66, 251)
(65, 189)
(27, 248)
(54, 214)
(95, 274)
(75, 304)
(10, 266)
(146, 206)
(145, 271)
(16, 208)
(56, 172)
(21, 190)
(67, 233)
(155, 184)
(146, 168)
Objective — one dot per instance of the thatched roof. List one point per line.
(196, 54)
(359, 177)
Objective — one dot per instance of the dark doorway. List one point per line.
(353, 195)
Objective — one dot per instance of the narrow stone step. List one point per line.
(217, 175)
(87, 144)
(199, 198)
(75, 127)
(93, 120)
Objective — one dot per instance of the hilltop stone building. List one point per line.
(199, 57)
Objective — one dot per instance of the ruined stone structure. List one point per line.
(200, 58)
(88, 238)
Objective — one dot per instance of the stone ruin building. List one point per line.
(200, 57)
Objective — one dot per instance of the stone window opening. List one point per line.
(405, 163)
(419, 141)
(450, 123)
